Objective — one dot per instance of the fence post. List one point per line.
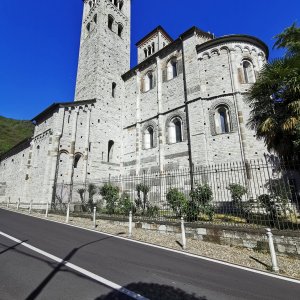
(94, 217)
(68, 213)
(8, 200)
(272, 250)
(183, 234)
(47, 209)
(18, 204)
(130, 224)
(30, 207)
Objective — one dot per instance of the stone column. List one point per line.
(47, 167)
(161, 127)
(28, 173)
(87, 143)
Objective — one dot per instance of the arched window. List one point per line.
(76, 160)
(120, 30)
(146, 52)
(248, 72)
(153, 47)
(110, 22)
(149, 138)
(110, 150)
(222, 120)
(95, 19)
(172, 69)
(149, 50)
(88, 27)
(121, 3)
(113, 89)
(116, 2)
(149, 82)
(175, 131)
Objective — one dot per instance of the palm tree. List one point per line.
(275, 98)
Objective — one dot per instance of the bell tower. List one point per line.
(104, 48)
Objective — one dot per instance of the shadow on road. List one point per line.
(11, 247)
(152, 291)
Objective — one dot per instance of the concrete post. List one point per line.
(94, 217)
(8, 200)
(18, 204)
(272, 250)
(130, 224)
(30, 207)
(47, 209)
(68, 213)
(183, 234)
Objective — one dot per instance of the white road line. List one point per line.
(89, 274)
(170, 250)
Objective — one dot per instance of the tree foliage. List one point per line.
(275, 97)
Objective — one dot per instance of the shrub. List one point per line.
(202, 197)
(177, 201)
(142, 202)
(125, 204)
(152, 211)
(92, 190)
(110, 194)
(237, 192)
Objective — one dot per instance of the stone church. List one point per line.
(182, 105)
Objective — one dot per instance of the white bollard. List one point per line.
(68, 213)
(183, 234)
(130, 224)
(8, 200)
(275, 267)
(47, 209)
(18, 204)
(94, 217)
(30, 207)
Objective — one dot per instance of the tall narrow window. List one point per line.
(121, 3)
(175, 131)
(110, 22)
(95, 19)
(222, 120)
(172, 69)
(110, 150)
(148, 82)
(116, 2)
(146, 52)
(113, 89)
(120, 30)
(248, 72)
(76, 160)
(149, 138)
(149, 50)
(153, 47)
(88, 27)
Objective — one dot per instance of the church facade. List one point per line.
(183, 105)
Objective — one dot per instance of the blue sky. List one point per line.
(40, 40)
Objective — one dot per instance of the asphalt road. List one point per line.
(151, 272)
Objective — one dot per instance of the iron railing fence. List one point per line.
(256, 193)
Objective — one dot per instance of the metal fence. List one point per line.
(256, 193)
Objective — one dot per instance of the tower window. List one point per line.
(149, 50)
(88, 27)
(110, 150)
(172, 68)
(113, 89)
(146, 52)
(149, 138)
(248, 72)
(110, 22)
(222, 120)
(175, 131)
(120, 30)
(76, 160)
(121, 4)
(149, 82)
(153, 47)
(95, 19)
(116, 2)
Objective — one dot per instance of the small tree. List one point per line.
(81, 195)
(142, 202)
(202, 197)
(125, 204)
(110, 194)
(237, 192)
(177, 201)
(92, 191)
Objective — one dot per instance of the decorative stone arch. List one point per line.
(155, 133)
(238, 48)
(246, 48)
(171, 116)
(214, 52)
(63, 151)
(205, 55)
(232, 115)
(224, 49)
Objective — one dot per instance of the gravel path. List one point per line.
(289, 266)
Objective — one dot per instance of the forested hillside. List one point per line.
(12, 132)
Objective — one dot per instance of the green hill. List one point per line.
(13, 132)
